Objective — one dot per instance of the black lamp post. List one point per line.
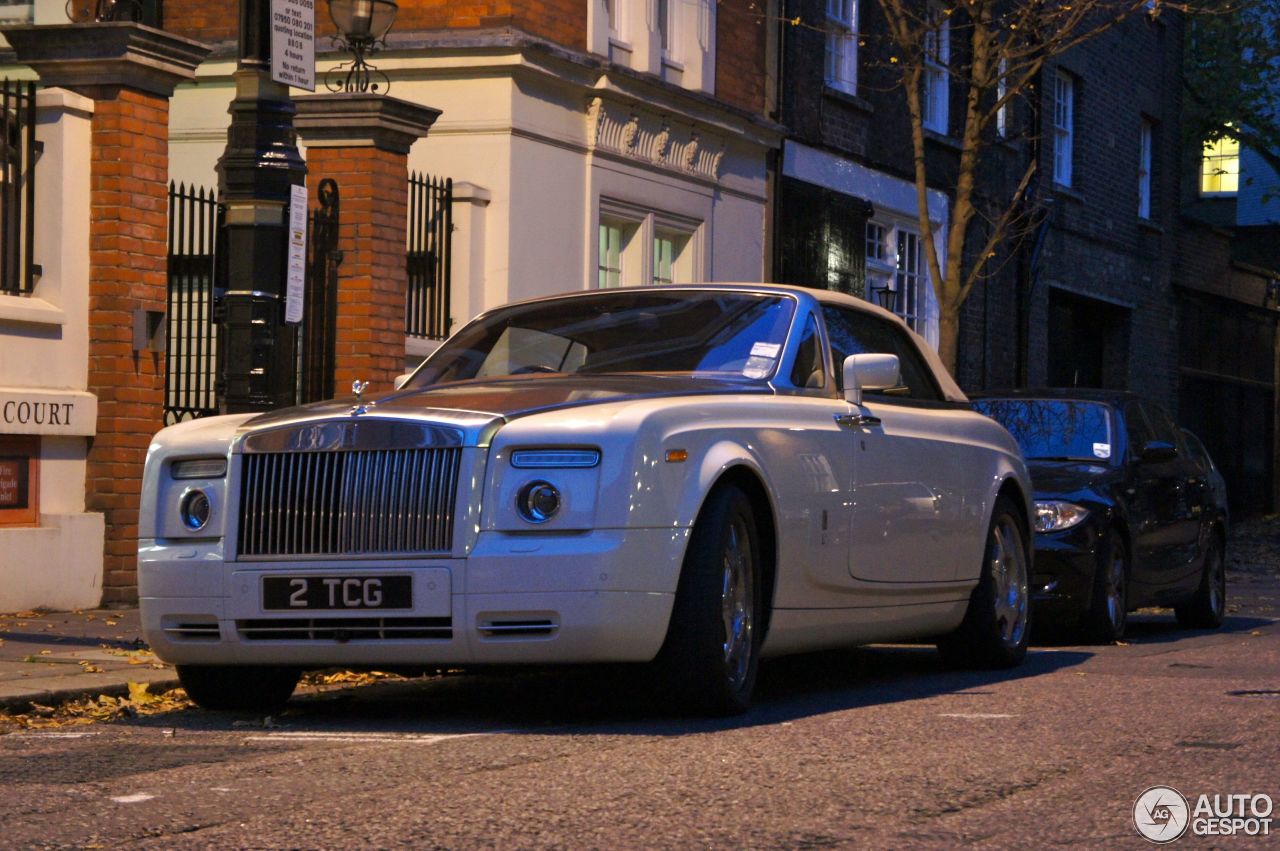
(362, 30)
(256, 174)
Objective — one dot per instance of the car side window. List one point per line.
(1136, 423)
(853, 332)
(808, 371)
(1162, 426)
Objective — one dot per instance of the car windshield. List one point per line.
(730, 335)
(1054, 429)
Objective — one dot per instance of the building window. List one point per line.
(842, 45)
(19, 480)
(670, 251)
(665, 23)
(1144, 169)
(639, 247)
(1063, 127)
(611, 12)
(1220, 167)
(1002, 92)
(935, 102)
(895, 271)
(615, 240)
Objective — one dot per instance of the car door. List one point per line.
(1164, 527)
(913, 492)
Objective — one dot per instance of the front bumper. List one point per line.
(1064, 567)
(601, 596)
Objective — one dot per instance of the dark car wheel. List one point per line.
(709, 660)
(247, 688)
(996, 625)
(1104, 620)
(1208, 606)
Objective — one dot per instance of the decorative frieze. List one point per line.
(653, 138)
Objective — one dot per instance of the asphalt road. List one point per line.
(879, 747)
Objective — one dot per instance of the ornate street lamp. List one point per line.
(362, 30)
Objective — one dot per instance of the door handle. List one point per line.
(857, 420)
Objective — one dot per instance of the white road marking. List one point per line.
(976, 715)
(366, 738)
(136, 798)
(56, 735)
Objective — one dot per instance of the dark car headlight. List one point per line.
(1054, 515)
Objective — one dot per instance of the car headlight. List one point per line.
(195, 510)
(538, 502)
(1053, 515)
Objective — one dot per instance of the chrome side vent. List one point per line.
(518, 627)
(192, 629)
(342, 630)
(366, 502)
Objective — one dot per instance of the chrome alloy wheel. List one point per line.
(737, 598)
(1115, 590)
(1216, 580)
(1008, 564)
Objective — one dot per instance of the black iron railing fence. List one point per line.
(18, 150)
(430, 237)
(192, 339)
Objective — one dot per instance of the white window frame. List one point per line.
(1064, 108)
(935, 101)
(1002, 91)
(1146, 136)
(1216, 163)
(842, 45)
(640, 230)
(903, 272)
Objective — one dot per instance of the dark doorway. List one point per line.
(1088, 342)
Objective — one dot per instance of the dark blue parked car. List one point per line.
(1128, 511)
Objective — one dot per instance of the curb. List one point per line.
(22, 702)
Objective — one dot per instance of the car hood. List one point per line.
(1060, 478)
(477, 407)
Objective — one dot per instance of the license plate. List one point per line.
(337, 592)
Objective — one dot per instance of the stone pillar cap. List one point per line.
(117, 53)
(354, 119)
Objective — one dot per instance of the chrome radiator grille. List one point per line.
(373, 502)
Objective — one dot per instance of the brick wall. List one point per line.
(372, 280)
(561, 21)
(127, 255)
(740, 45)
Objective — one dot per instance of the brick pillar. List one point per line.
(362, 142)
(130, 72)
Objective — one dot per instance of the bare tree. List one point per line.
(1002, 46)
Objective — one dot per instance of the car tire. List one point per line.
(1208, 606)
(709, 660)
(246, 688)
(997, 623)
(1103, 621)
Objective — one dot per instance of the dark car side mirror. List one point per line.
(1157, 450)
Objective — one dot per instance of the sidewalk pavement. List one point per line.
(52, 657)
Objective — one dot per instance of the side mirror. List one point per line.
(401, 380)
(869, 372)
(1154, 451)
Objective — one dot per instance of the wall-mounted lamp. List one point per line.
(362, 30)
(886, 296)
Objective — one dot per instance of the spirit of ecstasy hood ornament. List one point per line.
(358, 387)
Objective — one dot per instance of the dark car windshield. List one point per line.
(1054, 429)
(713, 334)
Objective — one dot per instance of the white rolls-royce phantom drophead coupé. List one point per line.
(690, 477)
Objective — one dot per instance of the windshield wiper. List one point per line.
(1062, 458)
